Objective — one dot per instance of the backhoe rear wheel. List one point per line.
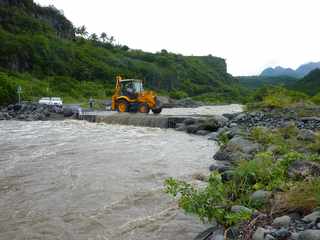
(123, 106)
(143, 108)
(157, 110)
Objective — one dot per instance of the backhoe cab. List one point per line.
(129, 96)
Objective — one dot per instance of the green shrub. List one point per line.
(209, 203)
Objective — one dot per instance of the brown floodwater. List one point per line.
(79, 180)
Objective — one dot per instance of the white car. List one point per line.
(51, 101)
(56, 101)
(45, 100)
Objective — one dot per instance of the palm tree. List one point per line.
(94, 37)
(82, 31)
(103, 36)
(111, 39)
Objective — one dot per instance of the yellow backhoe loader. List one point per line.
(129, 96)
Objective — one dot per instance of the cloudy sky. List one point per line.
(249, 34)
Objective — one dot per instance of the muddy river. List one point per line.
(78, 180)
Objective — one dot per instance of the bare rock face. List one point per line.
(302, 169)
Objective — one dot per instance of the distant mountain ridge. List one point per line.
(300, 72)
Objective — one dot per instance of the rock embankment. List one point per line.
(292, 226)
(231, 124)
(31, 112)
(303, 118)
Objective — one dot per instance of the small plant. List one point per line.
(261, 135)
(289, 131)
(223, 139)
(315, 146)
(209, 203)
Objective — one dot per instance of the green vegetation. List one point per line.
(231, 94)
(276, 97)
(268, 170)
(282, 91)
(40, 43)
(33, 88)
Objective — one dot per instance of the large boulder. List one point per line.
(220, 166)
(166, 102)
(309, 235)
(202, 132)
(214, 123)
(259, 233)
(17, 107)
(312, 217)
(300, 169)
(244, 145)
(213, 136)
(188, 103)
(240, 117)
(283, 221)
(189, 121)
(239, 209)
(238, 148)
(306, 135)
(194, 128)
(260, 196)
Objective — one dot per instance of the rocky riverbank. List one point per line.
(274, 153)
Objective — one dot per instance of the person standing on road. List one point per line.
(91, 103)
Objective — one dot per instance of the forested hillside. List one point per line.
(310, 84)
(254, 82)
(41, 50)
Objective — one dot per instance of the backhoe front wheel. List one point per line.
(143, 108)
(123, 106)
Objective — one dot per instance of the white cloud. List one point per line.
(250, 34)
